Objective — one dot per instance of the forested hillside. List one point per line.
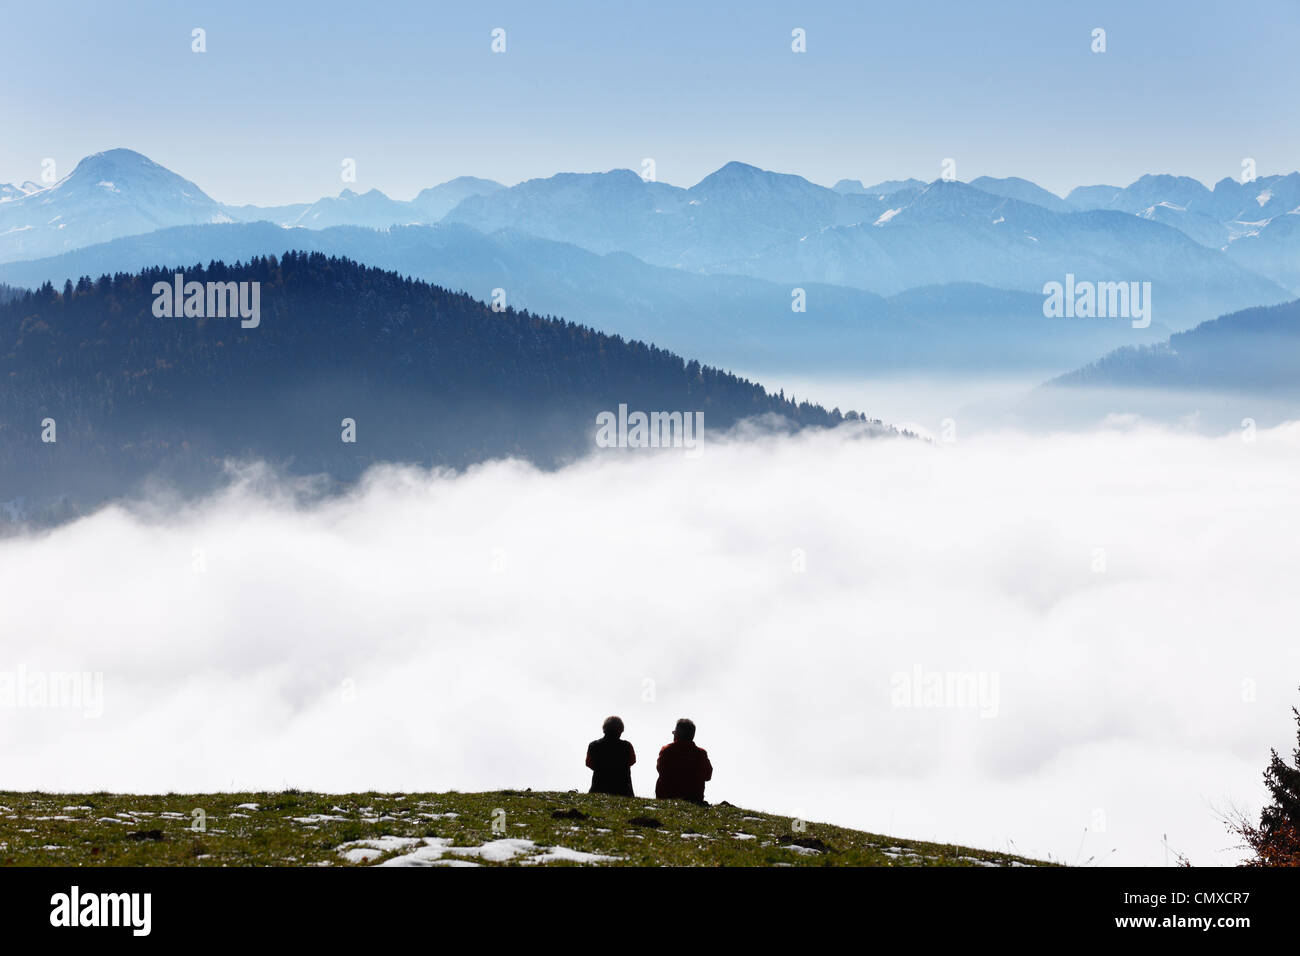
(428, 376)
(1255, 351)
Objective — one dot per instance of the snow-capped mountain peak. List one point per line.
(118, 192)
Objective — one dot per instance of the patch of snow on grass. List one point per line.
(359, 851)
(496, 851)
(438, 851)
(553, 854)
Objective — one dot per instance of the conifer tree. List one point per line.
(1283, 782)
(1276, 841)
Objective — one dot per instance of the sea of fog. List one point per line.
(1077, 645)
(963, 404)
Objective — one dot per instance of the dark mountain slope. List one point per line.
(1255, 350)
(429, 376)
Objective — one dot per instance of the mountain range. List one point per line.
(952, 232)
(1206, 251)
(731, 321)
(746, 269)
(742, 220)
(122, 193)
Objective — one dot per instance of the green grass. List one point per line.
(302, 829)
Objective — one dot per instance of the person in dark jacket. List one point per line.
(610, 760)
(683, 767)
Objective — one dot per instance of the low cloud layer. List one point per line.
(1057, 645)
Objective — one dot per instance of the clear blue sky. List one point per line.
(886, 90)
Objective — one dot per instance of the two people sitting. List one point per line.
(683, 767)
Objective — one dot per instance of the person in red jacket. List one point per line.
(683, 767)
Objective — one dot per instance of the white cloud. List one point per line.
(489, 621)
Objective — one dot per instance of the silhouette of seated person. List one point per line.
(683, 767)
(610, 759)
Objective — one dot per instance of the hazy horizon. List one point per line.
(289, 91)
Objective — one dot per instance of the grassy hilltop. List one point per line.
(292, 828)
